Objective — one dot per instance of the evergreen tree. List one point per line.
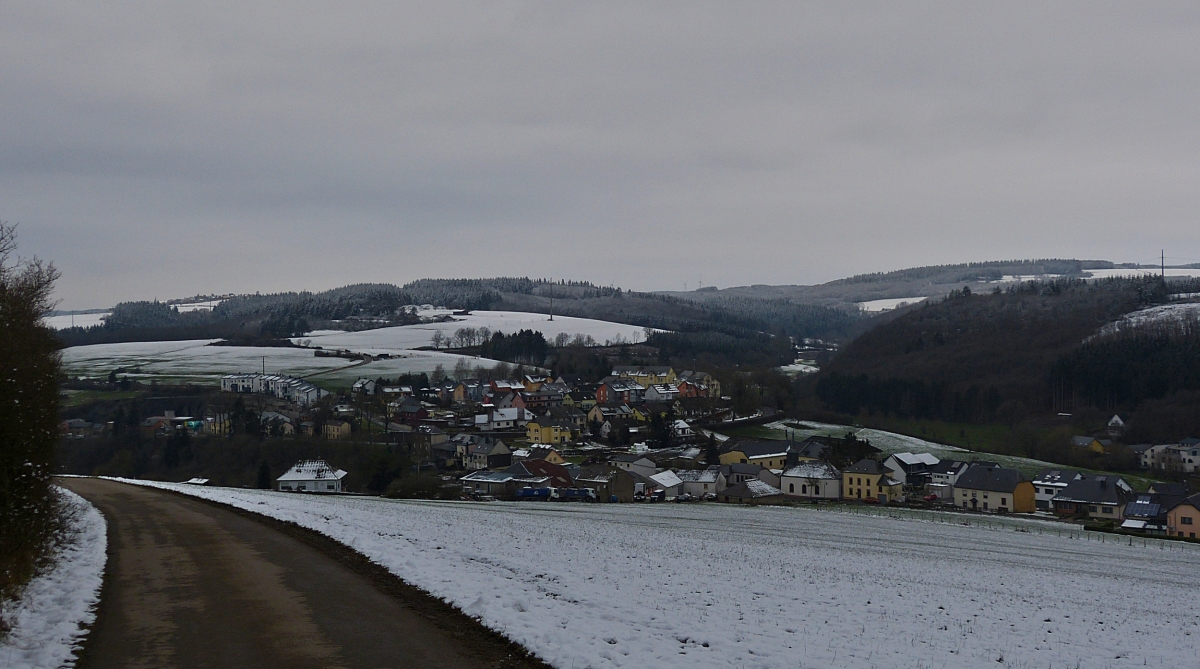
(263, 481)
(28, 415)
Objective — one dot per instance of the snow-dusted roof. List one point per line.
(814, 470)
(312, 470)
(698, 475)
(666, 479)
(489, 477)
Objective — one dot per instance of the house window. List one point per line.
(1092, 509)
(1185, 520)
(1003, 501)
(803, 490)
(791, 487)
(1108, 509)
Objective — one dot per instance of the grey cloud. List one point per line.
(158, 150)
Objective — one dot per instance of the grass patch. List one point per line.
(74, 398)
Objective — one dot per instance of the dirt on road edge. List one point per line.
(491, 647)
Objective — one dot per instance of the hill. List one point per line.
(1035, 348)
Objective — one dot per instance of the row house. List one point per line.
(613, 390)
(869, 479)
(287, 388)
(984, 487)
(1093, 496)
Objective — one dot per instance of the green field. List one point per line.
(74, 398)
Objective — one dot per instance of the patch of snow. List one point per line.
(875, 306)
(49, 620)
(406, 337)
(715, 586)
(1014, 278)
(1166, 313)
(801, 367)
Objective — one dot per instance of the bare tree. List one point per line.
(561, 339)
(437, 339)
(485, 334)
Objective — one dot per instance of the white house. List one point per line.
(812, 480)
(911, 468)
(312, 476)
(503, 419)
(701, 482)
(1048, 484)
(682, 430)
(946, 472)
(662, 393)
(363, 387)
(631, 462)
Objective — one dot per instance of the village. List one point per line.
(653, 434)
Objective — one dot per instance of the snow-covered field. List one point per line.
(875, 306)
(195, 361)
(74, 321)
(699, 586)
(406, 337)
(49, 620)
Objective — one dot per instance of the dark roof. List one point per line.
(559, 476)
(1140, 448)
(741, 468)
(1180, 489)
(1093, 489)
(1056, 476)
(751, 489)
(948, 466)
(1190, 441)
(1151, 505)
(813, 447)
(994, 479)
(867, 466)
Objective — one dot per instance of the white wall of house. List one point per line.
(806, 488)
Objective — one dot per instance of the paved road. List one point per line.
(190, 584)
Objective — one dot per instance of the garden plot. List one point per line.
(699, 586)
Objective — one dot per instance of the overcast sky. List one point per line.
(169, 149)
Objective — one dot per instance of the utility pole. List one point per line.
(551, 300)
(1163, 264)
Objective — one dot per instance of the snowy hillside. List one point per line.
(406, 337)
(195, 361)
(702, 586)
(1167, 313)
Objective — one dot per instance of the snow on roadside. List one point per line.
(49, 621)
(700, 586)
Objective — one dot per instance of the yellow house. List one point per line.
(769, 454)
(548, 454)
(869, 479)
(337, 429)
(646, 376)
(1092, 444)
(1184, 519)
(995, 490)
(547, 432)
